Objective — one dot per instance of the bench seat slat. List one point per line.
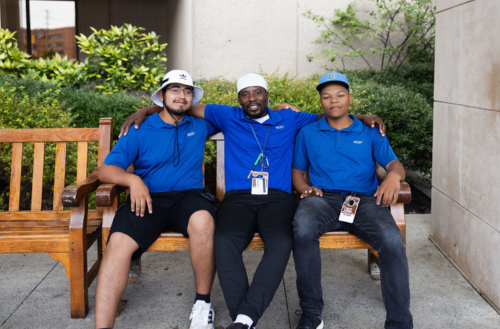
(53, 223)
(43, 215)
(40, 232)
(41, 245)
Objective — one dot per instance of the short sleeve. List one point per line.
(304, 118)
(211, 128)
(218, 115)
(300, 158)
(382, 150)
(125, 151)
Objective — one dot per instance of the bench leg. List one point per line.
(135, 271)
(373, 265)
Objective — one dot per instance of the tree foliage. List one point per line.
(403, 30)
(122, 58)
(119, 59)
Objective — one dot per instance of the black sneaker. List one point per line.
(310, 321)
(237, 326)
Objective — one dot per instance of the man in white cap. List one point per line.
(259, 149)
(166, 193)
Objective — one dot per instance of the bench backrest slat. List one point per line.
(59, 175)
(15, 176)
(105, 139)
(220, 177)
(49, 135)
(81, 168)
(102, 135)
(36, 191)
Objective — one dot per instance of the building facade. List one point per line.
(466, 142)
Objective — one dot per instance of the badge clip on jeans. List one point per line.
(260, 182)
(349, 209)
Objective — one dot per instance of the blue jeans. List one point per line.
(374, 224)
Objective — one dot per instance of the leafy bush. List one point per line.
(418, 78)
(12, 60)
(25, 110)
(88, 107)
(85, 106)
(122, 58)
(408, 118)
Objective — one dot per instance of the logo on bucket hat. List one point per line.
(177, 76)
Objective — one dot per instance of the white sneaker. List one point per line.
(202, 316)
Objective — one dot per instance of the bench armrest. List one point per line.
(106, 193)
(73, 194)
(404, 195)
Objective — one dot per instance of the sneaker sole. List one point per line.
(321, 325)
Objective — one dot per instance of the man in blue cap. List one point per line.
(343, 194)
(259, 150)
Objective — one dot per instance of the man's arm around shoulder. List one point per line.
(139, 192)
(197, 110)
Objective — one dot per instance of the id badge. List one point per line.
(349, 209)
(260, 182)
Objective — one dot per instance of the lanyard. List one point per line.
(261, 156)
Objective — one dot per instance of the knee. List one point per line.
(121, 244)
(305, 225)
(201, 223)
(392, 243)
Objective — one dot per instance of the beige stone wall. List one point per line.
(229, 38)
(466, 147)
(232, 38)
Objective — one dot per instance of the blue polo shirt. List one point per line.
(151, 149)
(342, 160)
(241, 148)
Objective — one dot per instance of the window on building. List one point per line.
(36, 22)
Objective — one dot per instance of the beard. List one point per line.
(255, 115)
(175, 112)
(179, 112)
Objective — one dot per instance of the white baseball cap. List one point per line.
(178, 76)
(251, 80)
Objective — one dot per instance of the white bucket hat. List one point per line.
(178, 76)
(251, 80)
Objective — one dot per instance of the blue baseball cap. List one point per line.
(332, 77)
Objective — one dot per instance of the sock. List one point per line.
(205, 298)
(242, 318)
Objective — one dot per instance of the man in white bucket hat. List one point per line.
(166, 193)
(259, 149)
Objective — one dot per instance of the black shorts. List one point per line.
(171, 212)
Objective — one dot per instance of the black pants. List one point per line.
(239, 216)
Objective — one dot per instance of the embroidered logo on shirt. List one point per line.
(358, 142)
(191, 134)
(280, 127)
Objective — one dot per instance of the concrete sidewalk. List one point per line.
(34, 292)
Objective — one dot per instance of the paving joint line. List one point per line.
(466, 277)
(57, 262)
(286, 303)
